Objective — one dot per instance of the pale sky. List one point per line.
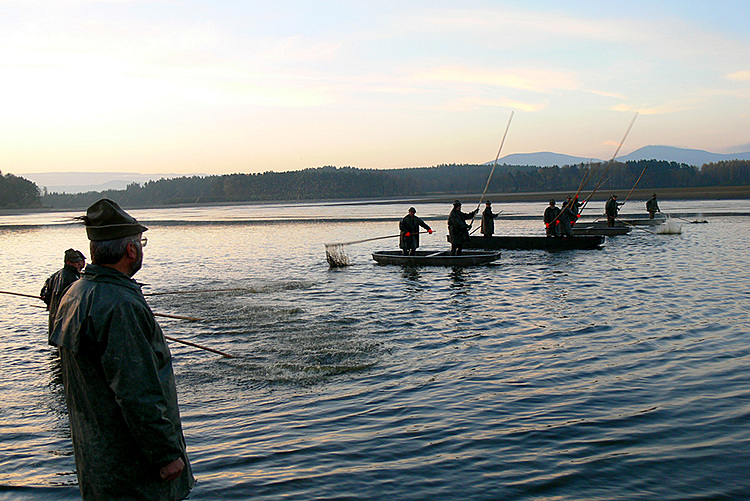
(252, 86)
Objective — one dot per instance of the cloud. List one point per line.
(740, 76)
(542, 81)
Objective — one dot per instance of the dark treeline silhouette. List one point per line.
(333, 183)
(17, 192)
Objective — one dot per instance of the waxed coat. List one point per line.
(457, 227)
(410, 224)
(54, 288)
(120, 390)
(488, 222)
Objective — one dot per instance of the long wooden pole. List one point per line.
(180, 317)
(612, 161)
(196, 345)
(492, 171)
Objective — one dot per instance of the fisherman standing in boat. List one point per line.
(652, 206)
(551, 221)
(117, 371)
(458, 230)
(611, 208)
(488, 220)
(56, 285)
(409, 232)
(565, 217)
(575, 209)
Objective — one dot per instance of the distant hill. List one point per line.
(681, 155)
(667, 153)
(81, 182)
(541, 159)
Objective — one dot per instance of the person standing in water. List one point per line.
(117, 372)
(409, 232)
(56, 285)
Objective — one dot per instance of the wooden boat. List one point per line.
(588, 229)
(436, 258)
(536, 242)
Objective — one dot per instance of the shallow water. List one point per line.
(618, 373)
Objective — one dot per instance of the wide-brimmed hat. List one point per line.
(105, 220)
(456, 203)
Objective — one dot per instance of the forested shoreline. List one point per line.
(338, 183)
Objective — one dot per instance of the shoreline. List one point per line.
(698, 193)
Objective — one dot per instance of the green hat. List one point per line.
(73, 256)
(105, 220)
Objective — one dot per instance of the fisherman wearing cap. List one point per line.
(652, 206)
(458, 230)
(409, 232)
(551, 221)
(611, 208)
(117, 372)
(56, 285)
(488, 220)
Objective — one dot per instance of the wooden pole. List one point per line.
(19, 294)
(196, 345)
(179, 317)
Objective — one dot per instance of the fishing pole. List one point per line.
(180, 317)
(492, 171)
(196, 345)
(612, 160)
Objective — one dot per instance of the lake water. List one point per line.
(620, 373)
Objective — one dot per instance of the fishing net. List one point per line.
(669, 227)
(336, 255)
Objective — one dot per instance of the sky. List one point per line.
(186, 87)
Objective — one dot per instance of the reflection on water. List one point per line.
(610, 374)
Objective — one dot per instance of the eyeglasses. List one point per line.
(144, 241)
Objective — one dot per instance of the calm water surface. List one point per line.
(620, 373)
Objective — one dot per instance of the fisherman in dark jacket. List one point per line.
(117, 372)
(56, 285)
(551, 222)
(458, 230)
(652, 206)
(409, 232)
(575, 209)
(565, 217)
(488, 220)
(611, 208)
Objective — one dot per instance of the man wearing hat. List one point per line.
(117, 372)
(458, 230)
(652, 206)
(409, 232)
(551, 220)
(611, 208)
(56, 285)
(488, 220)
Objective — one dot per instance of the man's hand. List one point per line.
(172, 470)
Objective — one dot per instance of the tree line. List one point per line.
(353, 183)
(17, 192)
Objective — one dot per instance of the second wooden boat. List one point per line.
(535, 242)
(436, 258)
